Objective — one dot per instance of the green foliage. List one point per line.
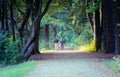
(42, 38)
(17, 70)
(84, 37)
(92, 7)
(9, 51)
(114, 64)
(88, 48)
(71, 22)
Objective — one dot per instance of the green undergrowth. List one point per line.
(9, 50)
(88, 48)
(17, 70)
(114, 65)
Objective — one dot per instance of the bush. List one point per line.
(9, 51)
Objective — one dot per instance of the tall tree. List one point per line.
(97, 26)
(46, 30)
(93, 15)
(5, 12)
(33, 42)
(117, 26)
(28, 29)
(90, 16)
(2, 14)
(54, 27)
(108, 27)
(12, 14)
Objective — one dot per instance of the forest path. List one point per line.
(71, 65)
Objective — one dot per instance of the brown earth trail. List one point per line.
(71, 65)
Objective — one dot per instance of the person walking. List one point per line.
(62, 42)
(56, 45)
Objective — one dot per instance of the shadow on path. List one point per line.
(69, 55)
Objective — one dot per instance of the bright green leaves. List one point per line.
(93, 6)
(71, 16)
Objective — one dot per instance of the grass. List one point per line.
(17, 70)
(114, 65)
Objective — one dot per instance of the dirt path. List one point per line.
(71, 65)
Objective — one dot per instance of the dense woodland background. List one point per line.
(27, 26)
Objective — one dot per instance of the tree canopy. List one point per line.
(28, 23)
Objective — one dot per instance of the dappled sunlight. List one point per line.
(86, 49)
(46, 51)
(82, 49)
(65, 51)
(57, 51)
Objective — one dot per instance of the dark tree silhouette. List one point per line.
(108, 27)
(98, 28)
(32, 44)
(117, 27)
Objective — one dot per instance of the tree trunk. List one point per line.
(6, 14)
(32, 44)
(97, 29)
(117, 41)
(117, 26)
(2, 15)
(12, 18)
(37, 36)
(54, 27)
(30, 49)
(26, 15)
(25, 50)
(89, 17)
(46, 30)
(108, 27)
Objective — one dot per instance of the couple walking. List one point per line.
(56, 43)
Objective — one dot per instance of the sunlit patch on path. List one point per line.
(65, 50)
